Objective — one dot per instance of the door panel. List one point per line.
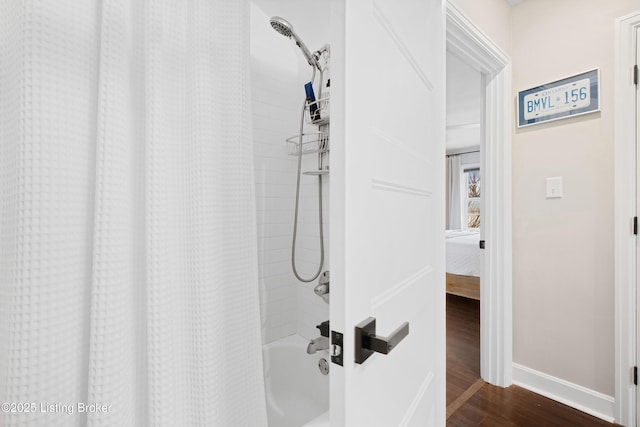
(387, 198)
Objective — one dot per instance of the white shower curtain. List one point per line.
(128, 267)
(454, 193)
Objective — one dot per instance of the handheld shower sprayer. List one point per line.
(285, 28)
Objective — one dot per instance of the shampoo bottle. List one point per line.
(311, 100)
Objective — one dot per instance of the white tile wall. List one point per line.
(274, 117)
(278, 74)
(311, 309)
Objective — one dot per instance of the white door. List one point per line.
(387, 209)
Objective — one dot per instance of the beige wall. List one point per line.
(563, 248)
(492, 16)
(563, 280)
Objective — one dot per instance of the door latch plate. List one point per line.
(336, 348)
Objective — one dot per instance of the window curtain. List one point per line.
(128, 255)
(454, 193)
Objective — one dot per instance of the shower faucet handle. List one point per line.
(324, 328)
(322, 288)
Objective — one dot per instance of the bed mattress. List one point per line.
(463, 252)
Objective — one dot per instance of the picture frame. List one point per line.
(569, 97)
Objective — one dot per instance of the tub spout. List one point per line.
(320, 343)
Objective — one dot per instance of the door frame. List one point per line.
(468, 42)
(625, 210)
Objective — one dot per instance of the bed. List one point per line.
(463, 263)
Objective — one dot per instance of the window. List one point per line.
(472, 193)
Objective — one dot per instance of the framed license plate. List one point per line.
(564, 98)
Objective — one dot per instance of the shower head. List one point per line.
(285, 28)
(282, 26)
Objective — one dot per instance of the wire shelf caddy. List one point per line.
(312, 142)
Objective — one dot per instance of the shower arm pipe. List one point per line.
(313, 59)
(295, 215)
(317, 55)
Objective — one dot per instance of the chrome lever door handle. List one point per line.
(367, 342)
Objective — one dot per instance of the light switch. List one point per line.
(554, 187)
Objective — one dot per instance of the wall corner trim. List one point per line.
(581, 398)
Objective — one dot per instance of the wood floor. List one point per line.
(471, 402)
(463, 345)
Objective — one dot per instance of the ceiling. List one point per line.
(463, 105)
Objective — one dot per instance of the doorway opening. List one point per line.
(463, 194)
(469, 44)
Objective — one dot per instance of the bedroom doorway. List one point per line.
(463, 193)
(474, 48)
(464, 177)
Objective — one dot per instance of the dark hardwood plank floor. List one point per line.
(513, 406)
(492, 406)
(463, 345)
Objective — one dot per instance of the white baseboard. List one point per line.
(574, 395)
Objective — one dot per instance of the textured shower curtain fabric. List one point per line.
(128, 266)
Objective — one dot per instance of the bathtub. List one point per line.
(297, 393)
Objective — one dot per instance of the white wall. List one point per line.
(471, 158)
(279, 72)
(311, 310)
(463, 105)
(274, 101)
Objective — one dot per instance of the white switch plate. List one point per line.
(554, 187)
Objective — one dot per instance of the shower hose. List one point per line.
(295, 219)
